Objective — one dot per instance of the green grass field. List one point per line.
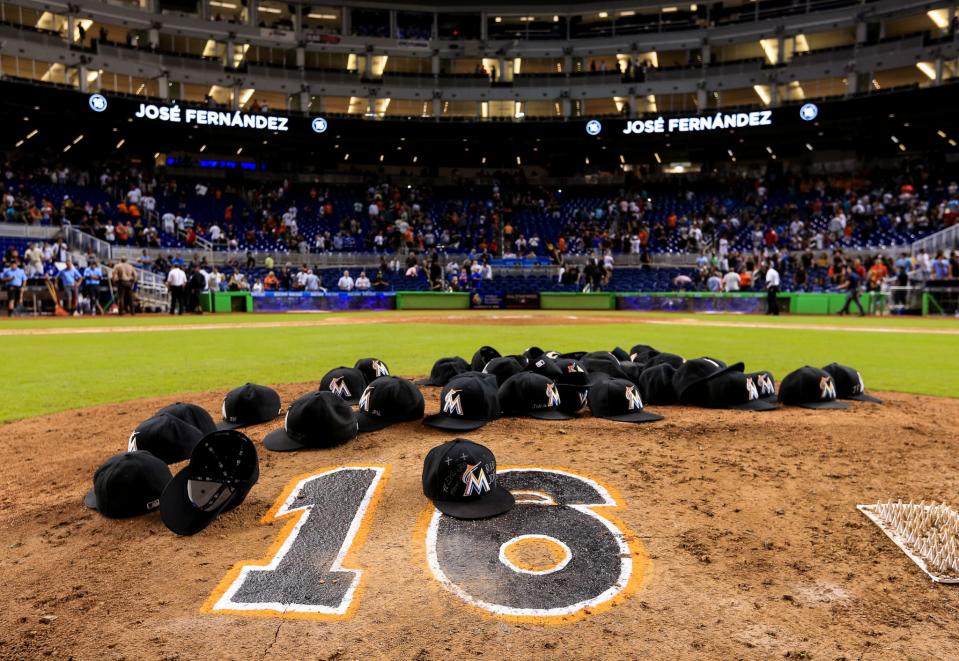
(44, 373)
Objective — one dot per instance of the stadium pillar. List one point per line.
(862, 30)
(305, 101)
(163, 87)
(773, 93)
(939, 70)
(347, 21)
(852, 82)
(153, 38)
(567, 107)
(567, 64)
(701, 97)
(780, 49)
(484, 28)
(707, 54)
(235, 98)
(394, 34)
(251, 11)
(300, 57)
(71, 29)
(228, 51)
(437, 107)
(82, 75)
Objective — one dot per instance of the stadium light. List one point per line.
(66, 149)
(809, 146)
(120, 144)
(346, 157)
(894, 139)
(952, 142)
(32, 133)
(19, 143)
(928, 69)
(78, 139)
(239, 151)
(940, 17)
(225, 5)
(498, 19)
(941, 133)
(656, 156)
(202, 148)
(269, 10)
(604, 14)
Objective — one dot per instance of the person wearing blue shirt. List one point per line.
(70, 279)
(92, 276)
(14, 278)
(851, 285)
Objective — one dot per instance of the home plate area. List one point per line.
(715, 534)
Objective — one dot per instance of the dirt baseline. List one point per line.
(752, 544)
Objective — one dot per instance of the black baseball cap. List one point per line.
(696, 370)
(249, 404)
(620, 400)
(603, 362)
(765, 384)
(727, 389)
(662, 357)
(465, 404)
(573, 385)
(532, 394)
(573, 355)
(546, 366)
(811, 388)
(222, 470)
(165, 437)
(503, 368)
(620, 353)
(849, 383)
(443, 370)
(656, 384)
(191, 413)
(641, 353)
(488, 378)
(388, 400)
(316, 420)
(482, 356)
(459, 476)
(128, 484)
(632, 370)
(533, 352)
(372, 368)
(345, 382)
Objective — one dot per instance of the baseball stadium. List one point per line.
(405, 330)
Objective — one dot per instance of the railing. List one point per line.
(946, 239)
(22, 231)
(86, 243)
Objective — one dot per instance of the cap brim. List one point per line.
(497, 501)
(279, 441)
(178, 512)
(368, 423)
(427, 382)
(223, 425)
(755, 405)
(635, 416)
(90, 500)
(863, 397)
(549, 414)
(821, 405)
(447, 423)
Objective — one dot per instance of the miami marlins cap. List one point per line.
(666, 358)
(849, 383)
(459, 476)
(222, 470)
(532, 394)
(620, 353)
(696, 370)
(315, 420)
(465, 404)
(641, 353)
(533, 352)
(618, 399)
(388, 400)
(503, 368)
(727, 389)
(192, 414)
(765, 383)
(346, 382)
(656, 384)
(573, 385)
(372, 368)
(603, 362)
(443, 370)
(165, 437)
(546, 366)
(632, 370)
(811, 388)
(128, 484)
(249, 404)
(482, 356)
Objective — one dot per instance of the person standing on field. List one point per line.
(124, 276)
(176, 281)
(851, 285)
(772, 290)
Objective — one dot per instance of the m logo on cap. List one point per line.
(132, 443)
(338, 387)
(752, 392)
(633, 400)
(475, 480)
(583, 396)
(573, 367)
(860, 387)
(365, 399)
(379, 368)
(765, 385)
(452, 404)
(827, 388)
(552, 395)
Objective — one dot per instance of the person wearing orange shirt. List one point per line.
(877, 273)
(271, 282)
(745, 280)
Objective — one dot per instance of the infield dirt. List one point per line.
(755, 547)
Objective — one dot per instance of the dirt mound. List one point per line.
(748, 540)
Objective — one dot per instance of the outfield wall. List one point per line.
(736, 302)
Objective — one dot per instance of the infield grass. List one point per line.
(44, 373)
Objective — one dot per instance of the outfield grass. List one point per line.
(47, 373)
